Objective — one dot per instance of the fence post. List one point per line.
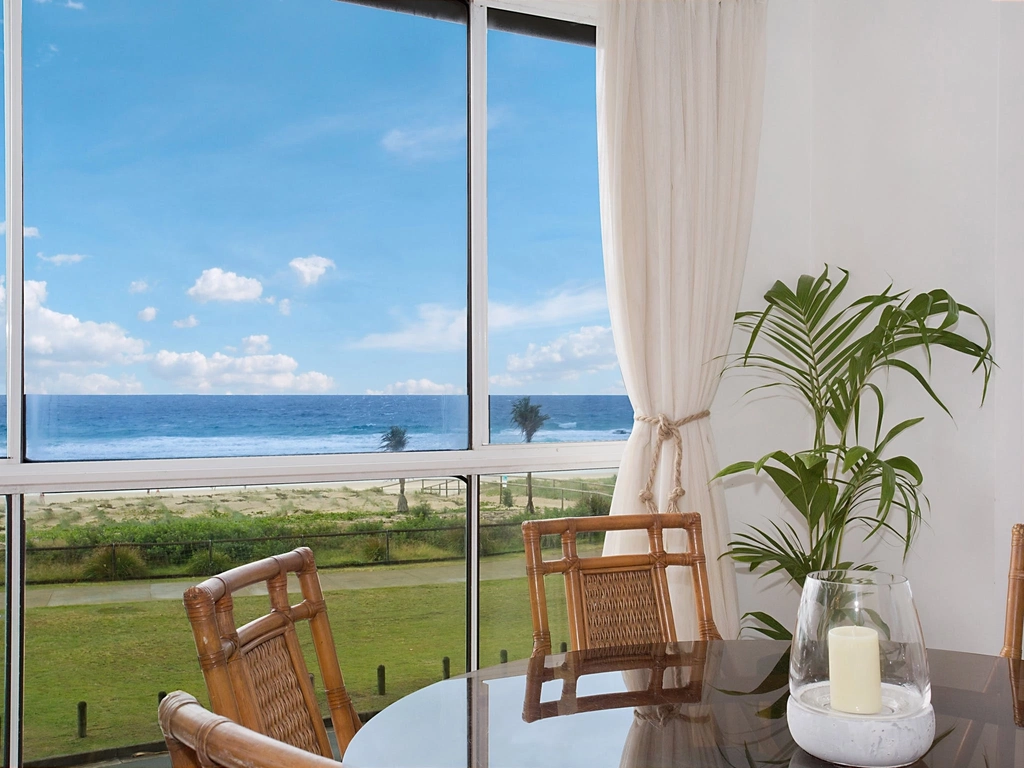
(503, 656)
(446, 668)
(387, 549)
(113, 561)
(81, 719)
(380, 679)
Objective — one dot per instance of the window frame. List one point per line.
(19, 476)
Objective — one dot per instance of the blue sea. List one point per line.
(91, 427)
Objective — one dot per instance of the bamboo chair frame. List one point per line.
(620, 600)
(655, 659)
(256, 674)
(1014, 630)
(197, 738)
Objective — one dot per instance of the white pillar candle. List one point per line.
(854, 670)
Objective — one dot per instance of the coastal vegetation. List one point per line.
(162, 535)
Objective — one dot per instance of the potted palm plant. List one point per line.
(831, 356)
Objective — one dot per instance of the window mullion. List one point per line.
(15, 218)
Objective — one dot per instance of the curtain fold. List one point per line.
(680, 85)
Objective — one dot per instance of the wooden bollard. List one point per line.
(446, 668)
(81, 719)
(503, 656)
(564, 648)
(380, 680)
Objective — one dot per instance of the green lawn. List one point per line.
(117, 657)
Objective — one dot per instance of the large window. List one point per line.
(549, 330)
(256, 256)
(105, 625)
(243, 203)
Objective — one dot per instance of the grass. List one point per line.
(117, 657)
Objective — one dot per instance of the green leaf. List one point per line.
(772, 628)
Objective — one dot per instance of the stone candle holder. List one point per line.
(858, 677)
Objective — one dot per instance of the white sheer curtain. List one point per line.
(680, 85)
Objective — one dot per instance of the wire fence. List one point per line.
(122, 561)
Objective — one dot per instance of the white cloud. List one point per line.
(62, 258)
(311, 268)
(417, 387)
(188, 322)
(256, 344)
(148, 314)
(195, 372)
(217, 285)
(587, 351)
(76, 5)
(89, 384)
(138, 286)
(29, 231)
(425, 143)
(566, 306)
(436, 329)
(54, 338)
(284, 306)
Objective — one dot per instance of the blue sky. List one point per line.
(271, 198)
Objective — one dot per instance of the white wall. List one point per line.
(893, 147)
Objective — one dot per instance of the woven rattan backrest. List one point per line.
(256, 674)
(197, 738)
(653, 660)
(620, 600)
(1014, 630)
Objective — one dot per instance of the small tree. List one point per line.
(528, 418)
(395, 439)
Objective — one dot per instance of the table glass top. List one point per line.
(688, 704)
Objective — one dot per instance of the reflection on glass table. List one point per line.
(721, 703)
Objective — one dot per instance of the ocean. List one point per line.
(93, 427)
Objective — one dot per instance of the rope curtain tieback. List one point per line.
(667, 428)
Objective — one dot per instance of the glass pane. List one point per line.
(549, 330)
(251, 229)
(506, 629)
(104, 622)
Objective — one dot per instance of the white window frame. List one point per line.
(18, 476)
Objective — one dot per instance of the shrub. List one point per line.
(507, 499)
(375, 549)
(202, 564)
(422, 510)
(109, 563)
(593, 505)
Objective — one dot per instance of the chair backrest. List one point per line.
(256, 674)
(197, 738)
(651, 660)
(1014, 630)
(620, 600)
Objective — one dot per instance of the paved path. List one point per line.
(369, 577)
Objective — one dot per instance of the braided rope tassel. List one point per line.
(667, 429)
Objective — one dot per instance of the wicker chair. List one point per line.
(1014, 630)
(197, 738)
(256, 674)
(621, 600)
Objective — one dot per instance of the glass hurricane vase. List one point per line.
(858, 676)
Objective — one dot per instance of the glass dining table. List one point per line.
(721, 703)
